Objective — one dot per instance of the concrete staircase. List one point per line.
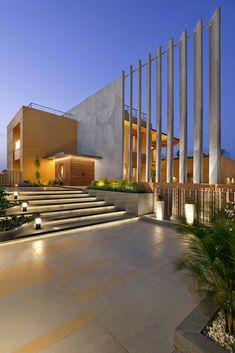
(65, 211)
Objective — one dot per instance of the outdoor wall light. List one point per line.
(38, 223)
(15, 195)
(16, 185)
(24, 206)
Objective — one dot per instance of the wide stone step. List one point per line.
(81, 218)
(66, 201)
(72, 227)
(56, 207)
(50, 197)
(80, 212)
(49, 192)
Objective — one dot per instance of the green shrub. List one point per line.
(4, 202)
(11, 222)
(117, 185)
(55, 182)
(209, 259)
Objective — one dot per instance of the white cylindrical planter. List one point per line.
(160, 207)
(189, 213)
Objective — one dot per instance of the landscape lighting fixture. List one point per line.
(24, 206)
(38, 223)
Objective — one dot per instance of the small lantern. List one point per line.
(15, 195)
(24, 206)
(38, 223)
(16, 185)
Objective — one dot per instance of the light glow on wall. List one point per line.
(17, 145)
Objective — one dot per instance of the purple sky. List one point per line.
(56, 53)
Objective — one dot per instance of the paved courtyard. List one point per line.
(105, 291)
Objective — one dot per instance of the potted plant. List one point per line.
(160, 207)
(189, 209)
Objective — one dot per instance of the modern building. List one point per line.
(88, 142)
(77, 146)
(103, 138)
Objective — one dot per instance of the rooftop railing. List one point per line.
(51, 110)
(135, 112)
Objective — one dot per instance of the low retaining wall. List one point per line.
(188, 337)
(136, 204)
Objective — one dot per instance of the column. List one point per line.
(139, 121)
(159, 116)
(215, 99)
(198, 106)
(170, 111)
(148, 123)
(130, 124)
(123, 120)
(183, 109)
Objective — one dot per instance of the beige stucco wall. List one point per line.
(227, 168)
(41, 134)
(17, 121)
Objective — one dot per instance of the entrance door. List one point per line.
(82, 172)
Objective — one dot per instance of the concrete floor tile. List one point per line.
(123, 276)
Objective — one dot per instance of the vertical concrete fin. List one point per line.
(183, 109)
(123, 121)
(198, 105)
(215, 100)
(170, 111)
(130, 124)
(148, 125)
(139, 121)
(159, 116)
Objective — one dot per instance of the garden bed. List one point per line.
(12, 225)
(189, 337)
(117, 185)
(217, 333)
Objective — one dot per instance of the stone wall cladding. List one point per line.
(136, 204)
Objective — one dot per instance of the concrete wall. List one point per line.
(134, 203)
(100, 129)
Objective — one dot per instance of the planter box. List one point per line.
(10, 234)
(136, 204)
(188, 337)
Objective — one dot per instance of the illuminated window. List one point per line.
(61, 172)
(17, 144)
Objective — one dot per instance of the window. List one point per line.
(17, 145)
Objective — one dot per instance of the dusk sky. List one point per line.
(57, 52)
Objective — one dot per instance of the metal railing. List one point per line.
(10, 178)
(135, 112)
(50, 110)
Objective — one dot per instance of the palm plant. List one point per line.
(210, 260)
